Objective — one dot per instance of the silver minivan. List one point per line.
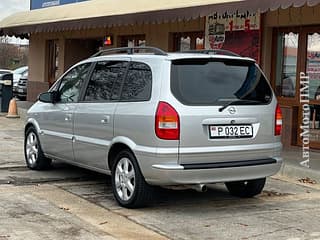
(150, 118)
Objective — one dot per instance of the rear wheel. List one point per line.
(33, 153)
(128, 185)
(246, 189)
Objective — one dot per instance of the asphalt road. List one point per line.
(70, 203)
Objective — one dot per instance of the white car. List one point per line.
(5, 71)
(17, 74)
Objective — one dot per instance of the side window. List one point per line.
(105, 82)
(137, 85)
(71, 83)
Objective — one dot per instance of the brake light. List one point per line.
(278, 121)
(167, 124)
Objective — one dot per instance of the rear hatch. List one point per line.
(226, 110)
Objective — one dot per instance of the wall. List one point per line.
(37, 68)
(77, 50)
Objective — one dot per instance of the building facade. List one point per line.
(283, 37)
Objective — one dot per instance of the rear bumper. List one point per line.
(163, 166)
(171, 174)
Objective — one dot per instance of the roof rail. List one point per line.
(131, 50)
(213, 51)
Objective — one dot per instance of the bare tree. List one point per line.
(11, 55)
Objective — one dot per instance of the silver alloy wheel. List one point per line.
(32, 149)
(125, 179)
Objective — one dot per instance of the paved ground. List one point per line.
(71, 203)
(11, 139)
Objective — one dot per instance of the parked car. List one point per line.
(17, 74)
(162, 119)
(21, 89)
(5, 71)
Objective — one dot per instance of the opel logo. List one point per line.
(232, 110)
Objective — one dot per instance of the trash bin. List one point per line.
(6, 81)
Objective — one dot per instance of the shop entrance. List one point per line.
(296, 80)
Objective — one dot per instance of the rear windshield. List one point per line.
(217, 81)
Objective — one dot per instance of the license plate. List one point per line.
(20, 90)
(231, 131)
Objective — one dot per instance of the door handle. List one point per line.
(105, 120)
(68, 117)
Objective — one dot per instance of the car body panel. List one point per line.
(93, 132)
(56, 128)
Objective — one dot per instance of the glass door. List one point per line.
(313, 72)
(286, 68)
(297, 51)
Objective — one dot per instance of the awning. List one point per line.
(106, 13)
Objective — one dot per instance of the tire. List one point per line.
(128, 184)
(246, 189)
(33, 153)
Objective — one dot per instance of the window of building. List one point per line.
(187, 41)
(313, 72)
(132, 41)
(313, 65)
(105, 82)
(137, 85)
(286, 71)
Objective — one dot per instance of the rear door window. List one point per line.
(105, 82)
(217, 81)
(137, 85)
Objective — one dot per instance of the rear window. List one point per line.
(217, 81)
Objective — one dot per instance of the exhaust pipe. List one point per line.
(199, 187)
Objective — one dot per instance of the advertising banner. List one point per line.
(36, 4)
(238, 32)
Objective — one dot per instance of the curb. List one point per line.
(299, 172)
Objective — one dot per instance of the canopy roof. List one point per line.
(103, 13)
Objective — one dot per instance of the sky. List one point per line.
(8, 7)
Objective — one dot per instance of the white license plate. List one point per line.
(231, 131)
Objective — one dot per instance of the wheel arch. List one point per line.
(117, 145)
(32, 123)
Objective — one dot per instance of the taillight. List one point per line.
(278, 121)
(167, 124)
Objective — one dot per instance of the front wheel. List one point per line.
(33, 153)
(246, 189)
(128, 184)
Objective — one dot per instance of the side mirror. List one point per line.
(48, 97)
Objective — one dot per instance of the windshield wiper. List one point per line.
(238, 101)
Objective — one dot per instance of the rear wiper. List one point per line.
(242, 101)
